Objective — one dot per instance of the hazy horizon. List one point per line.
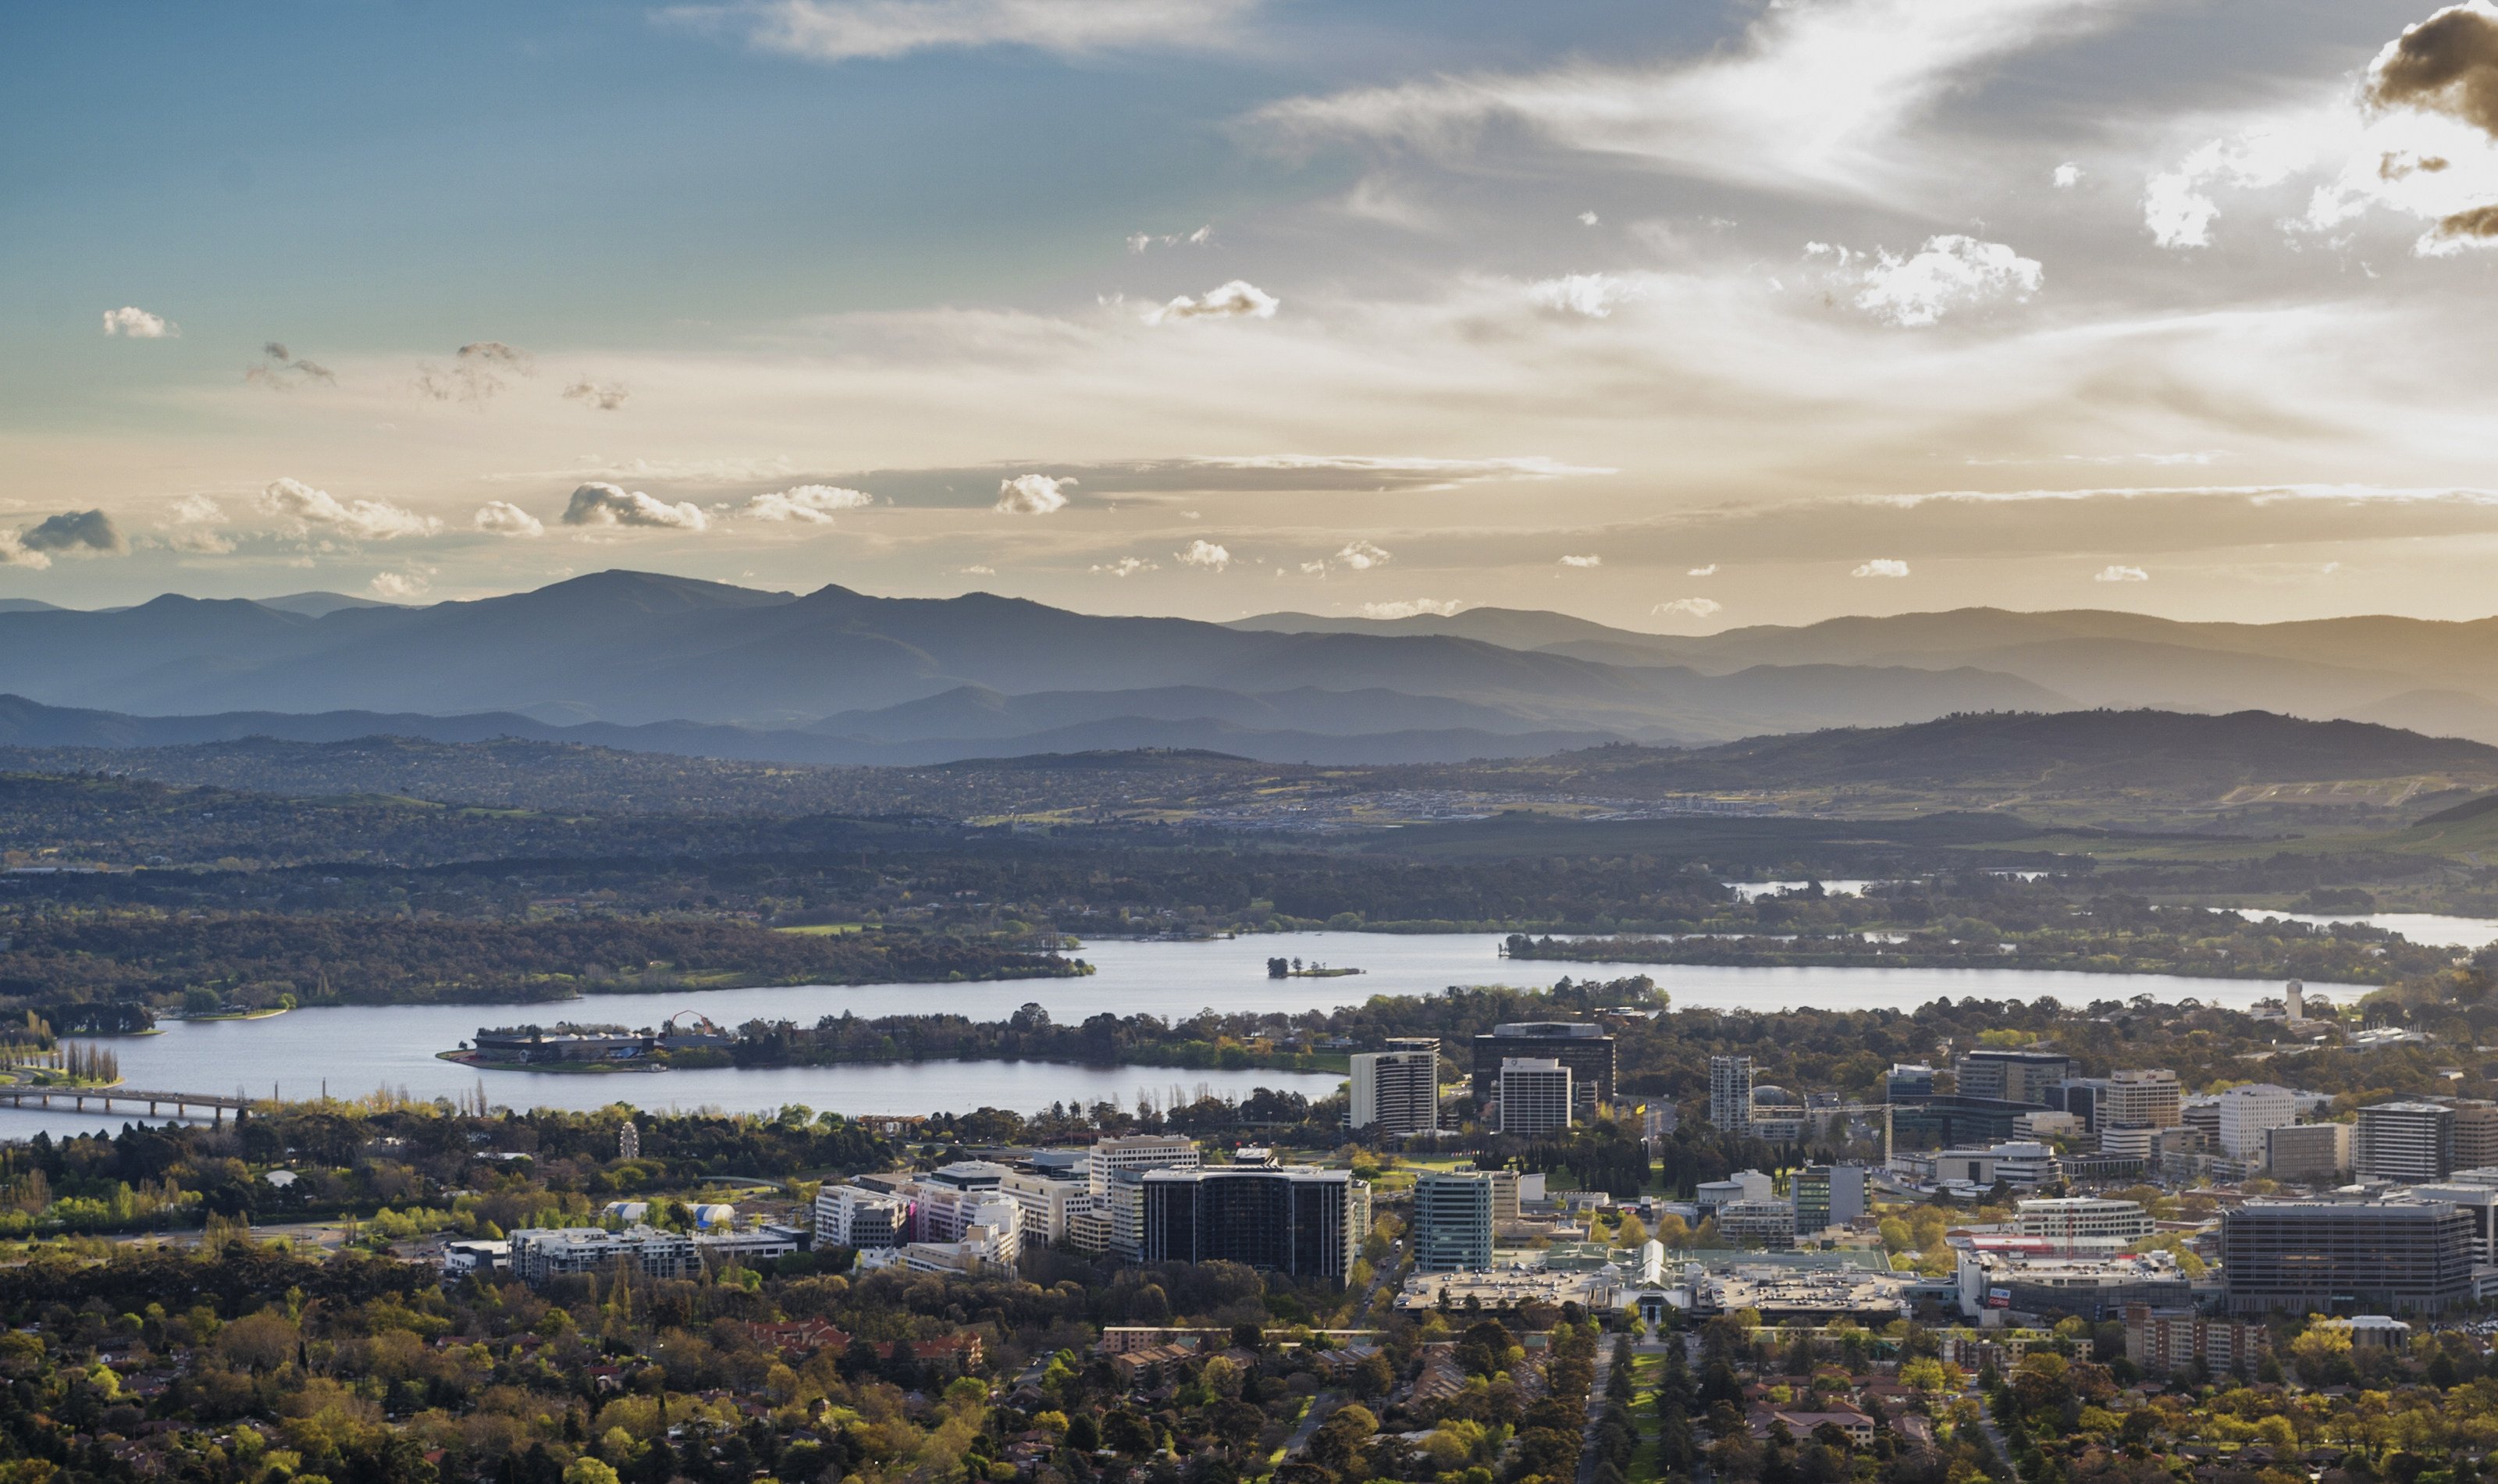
(1675, 319)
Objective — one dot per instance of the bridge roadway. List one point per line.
(183, 1102)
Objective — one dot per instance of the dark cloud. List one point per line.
(281, 369)
(87, 532)
(2447, 64)
(475, 372)
(2480, 221)
(605, 397)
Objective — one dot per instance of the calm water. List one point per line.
(2418, 926)
(354, 1052)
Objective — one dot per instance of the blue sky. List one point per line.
(1676, 315)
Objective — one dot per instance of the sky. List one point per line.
(1674, 314)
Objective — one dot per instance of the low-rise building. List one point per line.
(2024, 1276)
(540, 1254)
(2082, 1225)
(1757, 1223)
(1507, 1290)
(2161, 1340)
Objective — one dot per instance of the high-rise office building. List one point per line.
(1138, 1151)
(1292, 1220)
(2248, 1114)
(2013, 1077)
(1826, 1196)
(1730, 1093)
(1396, 1092)
(2408, 1141)
(1452, 1220)
(2342, 1257)
(1908, 1079)
(2475, 1134)
(1585, 1049)
(2312, 1153)
(1535, 1095)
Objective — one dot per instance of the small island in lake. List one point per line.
(1294, 968)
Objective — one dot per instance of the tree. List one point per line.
(588, 1470)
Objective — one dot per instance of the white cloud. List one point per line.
(611, 506)
(400, 587)
(2417, 136)
(139, 325)
(364, 520)
(1592, 295)
(1238, 298)
(1711, 570)
(844, 30)
(502, 518)
(1588, 219)
(2177, 205)
(606, 397)
(1689, 607)
(1881, 567)
(1949, 271)
(1590, 559)
(1031, 495)
(1138, 241)
(1125, 566)
(975, 569)
(2115, 574)
(811, 504)
(1362, 556)
(197, 510)
(1411, 607)
(2068, 176)
(1815, 100)
(15, 553)
(1205, 554)
(202, 543)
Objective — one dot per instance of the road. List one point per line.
(1322, 1407)
(1595, 1410)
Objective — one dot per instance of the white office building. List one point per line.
(2248, 1113)
(854, 1216)
(2083, 1225)
(1534, 1095)
(1139, 1153)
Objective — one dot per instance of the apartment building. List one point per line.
(1396, 1092)
(1730, 1093)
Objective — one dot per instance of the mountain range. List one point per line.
(2419, 674)
(665, 664)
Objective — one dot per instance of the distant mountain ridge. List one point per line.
(638, 649)
(2414, 673)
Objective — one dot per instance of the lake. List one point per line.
(356, 1050)
(2418, 926)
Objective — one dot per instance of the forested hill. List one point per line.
(2168, 749)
